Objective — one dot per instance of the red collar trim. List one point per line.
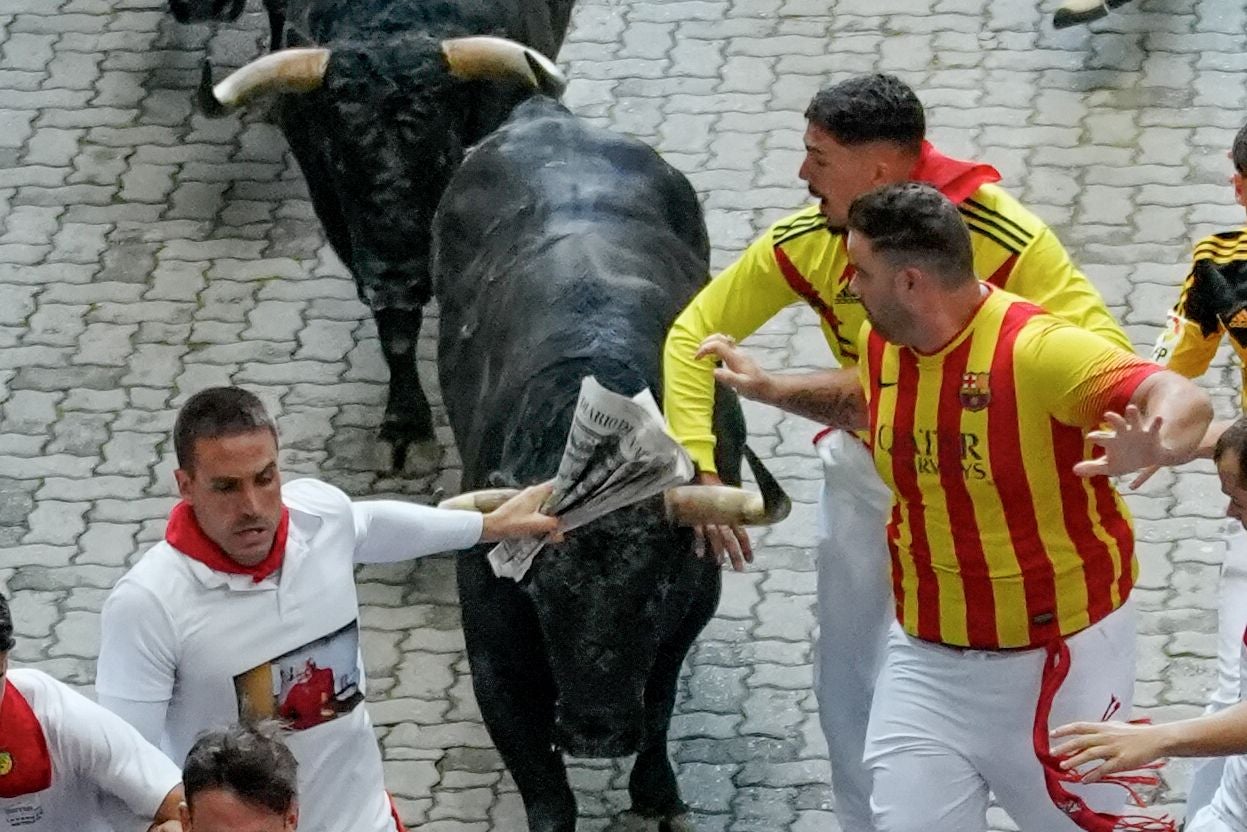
(185, 534)
(955, 178)
(25, 764)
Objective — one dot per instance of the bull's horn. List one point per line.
(698, 505)
(287, 71)
(489, 58)
(483, 501)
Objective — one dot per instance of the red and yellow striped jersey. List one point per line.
(995, 542)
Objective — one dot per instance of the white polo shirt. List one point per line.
(186, 649)
(94, 755)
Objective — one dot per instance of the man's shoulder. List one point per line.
(47, 696)
(992, 212)
(32, 682)
(314, 497)
(805, 224)
(1223, 247)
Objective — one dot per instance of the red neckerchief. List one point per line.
(184, 534)
(955, 178)
(25, 765)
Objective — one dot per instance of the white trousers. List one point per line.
(855, 609)
(1209, 819)
(1231, 623)
(949, 725)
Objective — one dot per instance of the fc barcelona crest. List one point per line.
(976, 391)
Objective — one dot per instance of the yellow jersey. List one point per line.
(799, 259)
(995, 542)
(1206, 311)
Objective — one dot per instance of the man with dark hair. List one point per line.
(1211, 308)
(66, 763)
(863, 132)
(253, 585)
(242, 779)
(1012, 554)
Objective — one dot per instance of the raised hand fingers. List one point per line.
(717, 344)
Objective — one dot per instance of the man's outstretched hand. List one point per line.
(720, 542)
(1131, 443)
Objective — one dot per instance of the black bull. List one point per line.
(378, 136)
(561, 251)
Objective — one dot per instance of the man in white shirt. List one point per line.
(242, 779)
(248, 609)
(66, 763)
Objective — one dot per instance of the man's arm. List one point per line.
(137, 664)
(108, 751)
(833, 397)
(1124, 746)
(1166, 423)
(744, 296)
(387, 531)
(1183, 345)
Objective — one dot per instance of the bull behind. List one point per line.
(379, 113)
(562, 251)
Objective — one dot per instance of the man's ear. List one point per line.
(910, 278)
(292, 817)
(184, 815)
(183, 479)
(1240, 196)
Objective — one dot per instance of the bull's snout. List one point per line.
(598, 732)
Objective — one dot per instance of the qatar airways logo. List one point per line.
(923, 447)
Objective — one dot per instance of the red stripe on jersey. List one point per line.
(905, 475)
(1001, 275)
(1118, 527)
(797, 282)
(874, 367)
(967, 545)
(1068, 445)
(1004, 441)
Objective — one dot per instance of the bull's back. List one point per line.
(559, 247)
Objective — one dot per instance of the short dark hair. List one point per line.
(1234, 441)
(914, 224)
(7, 641)
(1238, 151)
(217, 412)
(249, 761)
(870, 108)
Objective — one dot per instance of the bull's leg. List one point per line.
(407, 429)
(652, 787)
(276, 23)
(514, 690)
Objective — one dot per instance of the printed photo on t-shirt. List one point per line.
(307, 686)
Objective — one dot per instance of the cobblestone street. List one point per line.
(147, 252)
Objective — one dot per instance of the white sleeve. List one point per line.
(388, 530)
(138, 658)
(104, 749)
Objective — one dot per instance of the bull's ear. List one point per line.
(548, 84)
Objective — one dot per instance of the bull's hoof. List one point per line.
(409, 459)
(630, 821)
